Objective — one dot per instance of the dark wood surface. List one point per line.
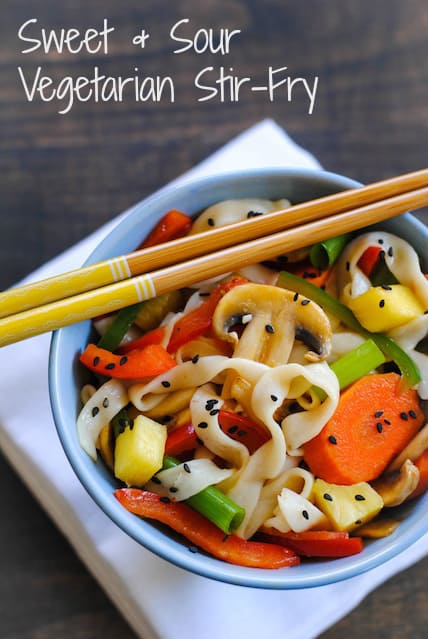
(63, 176)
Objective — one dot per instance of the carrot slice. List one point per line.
(204, 534)
(422, 464)
(306, 270)
(371, 425)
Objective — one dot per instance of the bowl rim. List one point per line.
(142, 531)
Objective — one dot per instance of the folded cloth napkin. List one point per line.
(138, 582)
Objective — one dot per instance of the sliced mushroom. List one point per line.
(394, 487)
(274, 318)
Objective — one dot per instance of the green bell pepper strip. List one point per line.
(213, 504)
(324, 254)
(408, 368)
(354, 365)
(117, 329)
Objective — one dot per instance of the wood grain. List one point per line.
(63, 176)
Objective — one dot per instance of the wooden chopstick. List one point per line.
(120, 268)
(142, 287)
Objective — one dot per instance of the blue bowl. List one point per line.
(66, 377)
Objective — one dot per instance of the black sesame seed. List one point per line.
(359, 497)
(404, 416)
(328, 497)
(214, 412)
(380, 241)
(332, 439)
(173, 489)
(199, 441)
(225, 538)
(305, 514)
(193, 549)
(123, 360)
(412, 414)
(378, 414)
(156, 480)
(274, 398)
(165, 500)
(211, 221)
(305, 302)
(195, 359)
(387, 422)
(386, 287)
(105, 402)
(390, 251)
(232, 430)
(242, 433)
(187, 468)
(202, 425)
(96, 361)
(110, 366)
(381, 303)
(379, 427)
(296, 297)
(254, 214)
(269, 329)
(358, 522)
(204, 294)
(95, 411)
(166, 384)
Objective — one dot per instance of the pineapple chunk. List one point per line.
(347, 506)
(139, 451)
(382, 309)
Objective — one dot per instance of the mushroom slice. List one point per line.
(273, 319)
(394, 487)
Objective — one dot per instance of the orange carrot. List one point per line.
(372, 423)
(422, 464)
(304, 269)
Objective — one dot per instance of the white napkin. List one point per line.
(157, 599)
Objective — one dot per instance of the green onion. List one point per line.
(407, 366)
(324, 254)
(213, 504)
(117, 329)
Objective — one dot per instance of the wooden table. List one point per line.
(64, 175)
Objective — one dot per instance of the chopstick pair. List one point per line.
(108, 286)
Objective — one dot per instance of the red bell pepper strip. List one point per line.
(181, 440)
(243, 429)
(199, 321)
(316, 543)
(149, 361)
(152, 337)
(369, 259)
(172, 226)
(238, 427)
(204, 534)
